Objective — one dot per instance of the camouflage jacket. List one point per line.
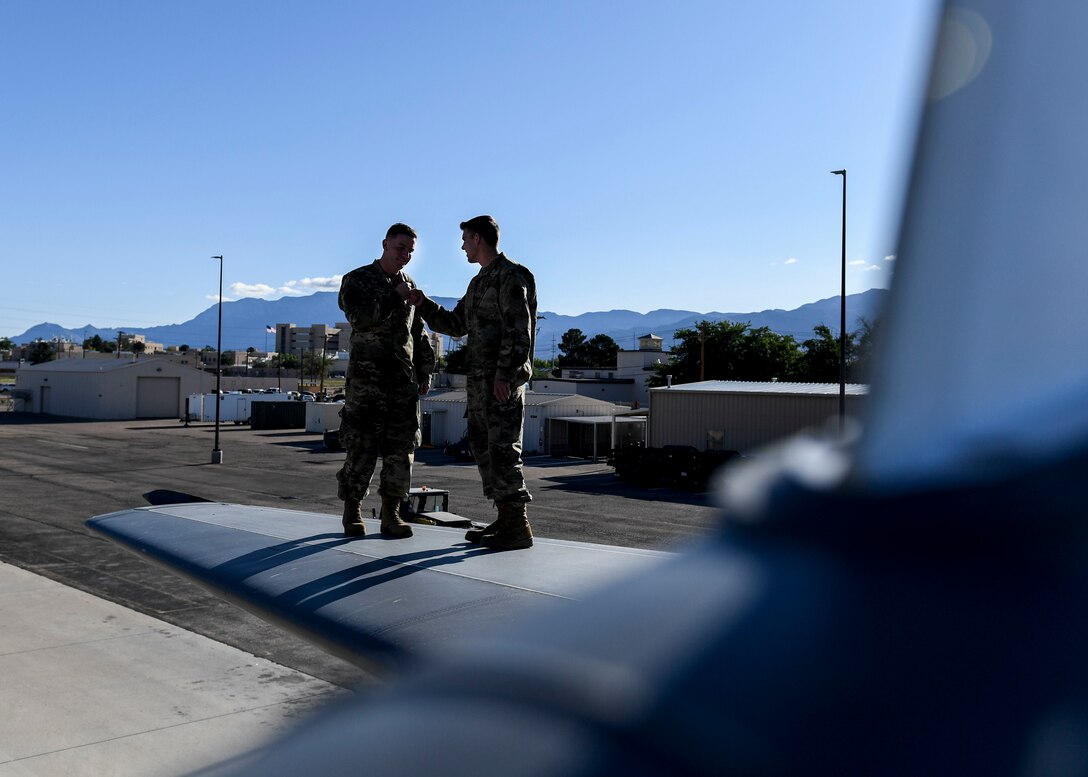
(498, 313)
(389, 346)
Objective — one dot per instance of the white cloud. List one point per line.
(252, 289)
(317, 284)
(870, 267)
(856, 262)
(890, 258)
(215, 298)
(299, 288)
(792, 260)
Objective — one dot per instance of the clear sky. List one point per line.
(636, 155)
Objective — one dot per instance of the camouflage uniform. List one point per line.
(390, 357)
(498, 314)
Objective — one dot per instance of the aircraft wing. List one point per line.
(377, 602)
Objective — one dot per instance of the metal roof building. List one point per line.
(107, 389)
(743, 415)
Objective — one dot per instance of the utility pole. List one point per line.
(842, 312)
(217, 454)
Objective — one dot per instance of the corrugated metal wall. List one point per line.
(739, 422)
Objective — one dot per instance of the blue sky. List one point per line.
(636, 155)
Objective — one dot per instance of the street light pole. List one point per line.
(217, 454)
(842, 312)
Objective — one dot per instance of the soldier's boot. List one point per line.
(512, 532)
(476, 535)
(353, 518)
(392, 524)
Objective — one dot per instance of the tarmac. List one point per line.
(93, 688)
(110, 666)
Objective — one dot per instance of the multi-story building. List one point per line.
(291, 339)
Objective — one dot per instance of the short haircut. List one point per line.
(484, 226)
(400, 229)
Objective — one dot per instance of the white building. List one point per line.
(444, 422)
(626, 383)
(109, 389)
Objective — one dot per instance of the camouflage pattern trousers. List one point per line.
(375, 423)
(494, 435)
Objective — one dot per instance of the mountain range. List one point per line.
(245, 322)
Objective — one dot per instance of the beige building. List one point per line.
(296, 340)
(109, 389)
(742, 416)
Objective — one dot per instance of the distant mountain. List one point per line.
(244, 322)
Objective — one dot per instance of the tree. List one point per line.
(599, 352)
(184, 347)
(542, 368)
(726, 350)
(316, 365)
(41, 351)
(858, 368)
(571, 345)
(226, 359)
(138, 347)
(6, 344)
(820, 361)
(93, 343)
(287, 361)
(457, 361)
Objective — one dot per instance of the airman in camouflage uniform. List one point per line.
(498, 314)
(390, 367)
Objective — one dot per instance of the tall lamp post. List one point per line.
(842, 311)
(217, 454)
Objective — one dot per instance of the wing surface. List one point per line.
(377, 602)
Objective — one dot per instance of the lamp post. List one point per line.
(217, 454)
(842, 311)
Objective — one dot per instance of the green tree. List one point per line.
(184, 347)
(599, 352)
(542, 368)
(313, 364)
(6, 344)
(41, 351)
(226, 358)
(819, 362)
(457, 361)
(571, 349)
(727, 350)
(287, 361)
(93, 343)
(859, 367)
(138, 347)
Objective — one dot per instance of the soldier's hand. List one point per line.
(416, 297)
(424, 389)
(502, 390)
(403, 289)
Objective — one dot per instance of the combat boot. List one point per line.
(512, 532)
(475, 535)
(353, 518)
(392, 524)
